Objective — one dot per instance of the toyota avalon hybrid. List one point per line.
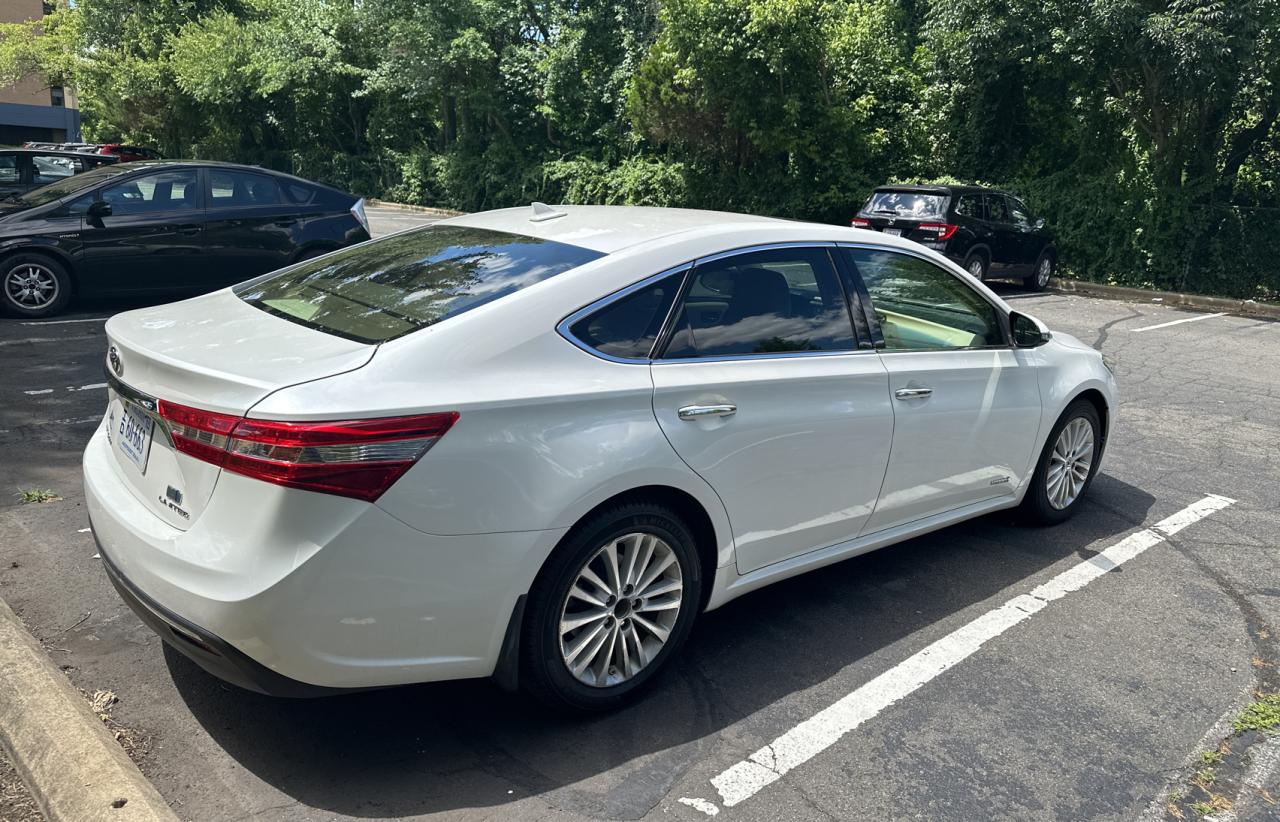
(535, 444)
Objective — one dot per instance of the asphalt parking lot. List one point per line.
(1095, 706)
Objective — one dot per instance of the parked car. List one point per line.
(990, 233)
(22, 169)
(536, 444)
(163, 227)
(123, 153)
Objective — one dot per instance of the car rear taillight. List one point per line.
(945, 230)
(351, 458)
(357, 211)
(858, 222)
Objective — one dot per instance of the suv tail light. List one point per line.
(357, 211)
(350, 458)
(945, 230)
(858, 222)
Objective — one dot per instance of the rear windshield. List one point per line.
(907, 204)
(385, 289)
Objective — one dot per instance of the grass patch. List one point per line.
(1262, 715)
(36, 495)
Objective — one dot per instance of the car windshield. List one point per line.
(70, 185)
(907, 204)
(390, 287)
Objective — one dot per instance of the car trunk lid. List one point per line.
(215, 353)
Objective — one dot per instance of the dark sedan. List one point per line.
(163, 227)
(23, 169)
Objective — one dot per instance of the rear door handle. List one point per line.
(912, 393)
(695, 412)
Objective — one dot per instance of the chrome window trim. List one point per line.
(563, 327)
(1001, 314)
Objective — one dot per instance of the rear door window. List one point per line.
(8, 169)
(47, 168)
(242, 188)
(786, 300)
(385, 289)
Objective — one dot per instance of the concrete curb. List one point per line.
(1171, 298)
(434, 212)
(65, 755)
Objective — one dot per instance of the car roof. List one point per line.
(940, 189)
(607, 229)
(57, 152)
(141, 165)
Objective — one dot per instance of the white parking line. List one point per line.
(1196, 318)
(814, 735)
(64, 322)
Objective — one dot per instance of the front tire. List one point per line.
(33, 285)
(613, 604)
(1067, 466)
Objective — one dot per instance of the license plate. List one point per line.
(893, 232)
(133, 435)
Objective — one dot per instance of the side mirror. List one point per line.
(1028, 332)
(1039, 224)
(96, 211)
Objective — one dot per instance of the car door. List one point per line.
(966, 404)
(1006, 249)
(152, 237)
(251, 225)
(763, 390)
(1029, 242)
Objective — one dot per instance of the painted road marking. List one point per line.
(1196, 318)
(64, 322)
(90, 387)
(814, 735)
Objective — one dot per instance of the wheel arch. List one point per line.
(48, 250)
(1099, 402)
(686, 506)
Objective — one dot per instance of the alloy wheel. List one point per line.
(31, 286)
(975, 268)
(1043, 272)
(1069, 463)
(621, 609)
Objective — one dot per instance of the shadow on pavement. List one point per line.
(431, 748)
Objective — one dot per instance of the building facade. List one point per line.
(29, 109)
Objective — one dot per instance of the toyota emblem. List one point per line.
(117, 365)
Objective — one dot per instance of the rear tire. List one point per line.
(583, 668)
(976, 265)
(33, 285)
(1038, 279)
(1067, 466)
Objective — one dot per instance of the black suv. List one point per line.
(990, 233)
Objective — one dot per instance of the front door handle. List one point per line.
(912, 393)
(696, 412)
(189, 230)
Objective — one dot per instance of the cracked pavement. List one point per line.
(1093, 708)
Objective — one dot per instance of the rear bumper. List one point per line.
(203, 648)
(296, 593)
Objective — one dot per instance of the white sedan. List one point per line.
(534, 444)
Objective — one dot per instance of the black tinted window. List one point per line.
(52, 168)
(390, 287)
(242, 188)
(997, 209)
(907, 204)
(161, 191)
(1020, 213)
(764, 302)
(920, 306)
(8, 168)
(629, 326)
(970, 205)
